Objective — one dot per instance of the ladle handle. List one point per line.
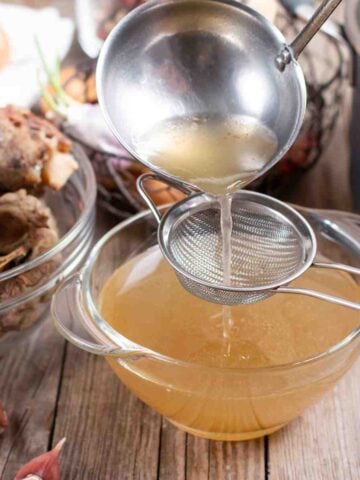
(325, 296)
(70, 318)
(303, 38)
(146, 197)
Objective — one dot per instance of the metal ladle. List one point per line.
(180, 59)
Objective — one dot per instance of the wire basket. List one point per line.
(325, 63)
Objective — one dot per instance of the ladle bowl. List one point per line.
(214, 59)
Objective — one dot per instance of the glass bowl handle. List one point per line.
(340, 227)
(73, 322)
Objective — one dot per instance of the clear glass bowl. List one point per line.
(74, 210)
(212, 402)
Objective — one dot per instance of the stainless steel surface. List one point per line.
(267, 246)
(303, 38)
(319, 296)
(271, 243)
(180, 59)
(305, 9)
(183, 58)
(140, 184)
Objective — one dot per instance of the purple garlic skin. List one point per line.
(43, 467)
(4, 420)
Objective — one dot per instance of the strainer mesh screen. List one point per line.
(266, 247)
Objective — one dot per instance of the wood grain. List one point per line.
(197, 458)
(325, 442)
(29, 382)
(172, 455)
(110, 434)
(237, 460)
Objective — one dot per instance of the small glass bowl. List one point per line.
(211, 402)
(96, 18)
(74, 210)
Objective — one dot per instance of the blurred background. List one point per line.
(323, 167)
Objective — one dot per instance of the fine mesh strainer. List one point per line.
(272, 244)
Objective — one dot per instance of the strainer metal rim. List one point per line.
(166, 224)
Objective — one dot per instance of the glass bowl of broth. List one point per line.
(223, 373)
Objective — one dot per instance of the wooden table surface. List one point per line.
(53, 390)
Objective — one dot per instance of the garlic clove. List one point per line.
(4, 420)
(43, 467)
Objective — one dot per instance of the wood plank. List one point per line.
(148, 443)
(197, 458)
(29, 382)
(206, 460)
(110, 433)
(172, 455)
(324, 444)
(237, 460)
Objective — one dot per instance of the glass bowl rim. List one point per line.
(111, 334)
(89, 197)
(60, 273)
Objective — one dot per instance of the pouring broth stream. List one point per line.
(219, 157)
(226, 230)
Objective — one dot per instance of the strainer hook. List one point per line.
(181, 186)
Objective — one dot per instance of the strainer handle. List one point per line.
(303, 38)
(70, 318)
(146, 197)
(324, 296)
(319, 295)
(338, 266)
